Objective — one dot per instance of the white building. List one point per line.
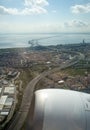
(9, 90)
(2, 101)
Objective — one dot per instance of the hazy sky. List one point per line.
(44, 16)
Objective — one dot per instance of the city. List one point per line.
(25, 70)
(44, 64)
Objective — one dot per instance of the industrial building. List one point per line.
(7, 96)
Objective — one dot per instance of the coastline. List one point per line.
(20, 40)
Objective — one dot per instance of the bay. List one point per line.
(16, 40)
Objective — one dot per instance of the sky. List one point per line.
(34, 16)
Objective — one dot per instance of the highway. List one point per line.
(21, 115)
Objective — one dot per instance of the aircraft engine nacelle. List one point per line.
(58, 109)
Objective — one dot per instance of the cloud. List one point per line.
(34, 10)
(30, 7)
(35, 3)
(8, 27)
(4, 10)
(76, 23)
(81, 8)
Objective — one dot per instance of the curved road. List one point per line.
(21, 115)
(25, 105)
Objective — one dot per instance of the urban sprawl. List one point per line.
(67, 67)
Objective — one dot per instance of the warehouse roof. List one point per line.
(2, 101)
(9, 90)
(0, 90)
(9, 101)
(4, 113)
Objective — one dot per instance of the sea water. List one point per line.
(15, 40)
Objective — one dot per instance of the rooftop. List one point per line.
(2, 101)
(9, 90)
